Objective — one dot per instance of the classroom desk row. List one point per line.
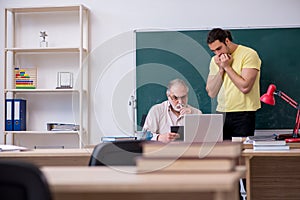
(270, 175)
(89, 183)
(51, 157)
(70, 178)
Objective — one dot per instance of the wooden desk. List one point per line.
(72, 183)
(51, 157)
(272, 175)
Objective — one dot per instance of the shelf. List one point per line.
(46, 50)
(41, 90)
(41, 132)
(46, 9)
(68, 56)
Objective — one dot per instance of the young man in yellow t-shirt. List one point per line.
(234, 78)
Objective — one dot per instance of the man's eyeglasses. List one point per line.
(175, 98)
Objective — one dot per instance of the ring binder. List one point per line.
(19, 114)
(9, 115)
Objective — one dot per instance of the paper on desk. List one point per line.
(8, 147)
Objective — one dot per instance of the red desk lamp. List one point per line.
(268, 98)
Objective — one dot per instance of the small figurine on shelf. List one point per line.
(43, 35)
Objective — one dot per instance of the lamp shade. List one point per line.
(268, 98)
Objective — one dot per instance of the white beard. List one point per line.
(178, 107)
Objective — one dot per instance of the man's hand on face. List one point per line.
(218, 62)
(225, 60)
(185, 110)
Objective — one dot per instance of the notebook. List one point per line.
(203, 128)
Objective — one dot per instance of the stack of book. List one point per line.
(272, 145)
(62, 127)
(188, 157)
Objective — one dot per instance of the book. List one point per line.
(269, 143)
(275, 145)
(117, 138)
(271, 148)
(185, 149)
(184, 164)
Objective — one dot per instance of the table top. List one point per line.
(48, 153)
(251, 152)
(126, 179)
(88, 151)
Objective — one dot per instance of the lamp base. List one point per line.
(289, 138)
(292, 140)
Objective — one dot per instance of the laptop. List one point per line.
(203, 128)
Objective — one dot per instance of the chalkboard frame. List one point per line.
(156, 52)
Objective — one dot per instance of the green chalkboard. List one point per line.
(164, 55)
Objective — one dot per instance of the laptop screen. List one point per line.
(203, 128)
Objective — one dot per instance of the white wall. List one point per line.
(112, 60)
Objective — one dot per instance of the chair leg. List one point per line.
(242, 190)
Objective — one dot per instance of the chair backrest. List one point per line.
(22, 181)
(116, 153)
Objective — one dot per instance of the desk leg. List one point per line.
(248, 175)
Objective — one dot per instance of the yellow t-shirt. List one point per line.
(230, 98)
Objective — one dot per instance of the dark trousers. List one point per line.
(238, 124)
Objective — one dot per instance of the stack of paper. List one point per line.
(250, 139)
(8, 147)
(276, 145)
(116, 138)
(62, 127)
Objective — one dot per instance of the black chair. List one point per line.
(116, 153)
(22, 181)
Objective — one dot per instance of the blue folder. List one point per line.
(19, 115)
(9, 114)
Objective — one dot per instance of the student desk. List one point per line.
(101, 182)
(272, 174)
(51, 157)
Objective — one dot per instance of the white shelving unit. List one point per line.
(67, 29)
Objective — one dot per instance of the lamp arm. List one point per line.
(288, 99)
(293, 103)
(297, 125)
